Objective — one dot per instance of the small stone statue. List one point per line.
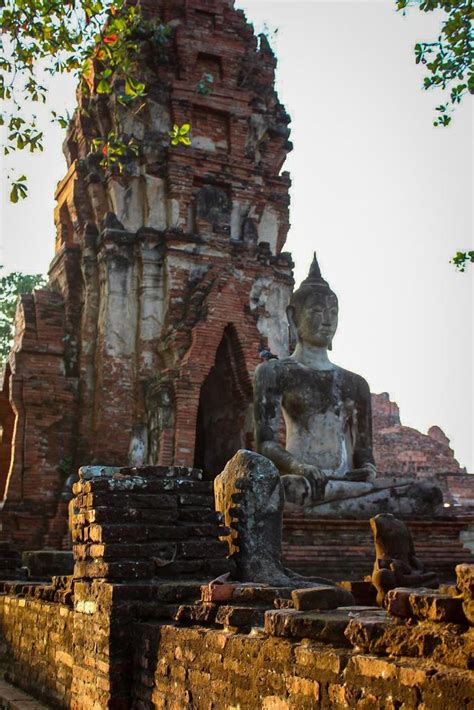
(327, 462)
(395, 562)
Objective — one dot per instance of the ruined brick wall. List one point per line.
(116, 634)
(179, 668)
(402, 450)
(37, 646)
(131, 529)
(70, 659)
(7, 427)
(40, 419)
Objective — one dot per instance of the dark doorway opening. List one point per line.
(223, 416)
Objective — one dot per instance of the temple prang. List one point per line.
(167, 277)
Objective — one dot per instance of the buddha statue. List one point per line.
(327, 461)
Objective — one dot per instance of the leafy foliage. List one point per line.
(19, 189)
(204, 85)
(11, 286)
(449, 60)
(462, 258)
(450, 63)
(179, 134)
(114, 151)
(100, 41)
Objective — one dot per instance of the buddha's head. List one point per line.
(313, 310)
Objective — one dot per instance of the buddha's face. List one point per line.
(317, 322)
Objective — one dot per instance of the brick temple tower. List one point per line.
(166, 280)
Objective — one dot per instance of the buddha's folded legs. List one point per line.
(299, 491)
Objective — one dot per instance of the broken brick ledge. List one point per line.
(112, 650)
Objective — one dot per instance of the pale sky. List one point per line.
(381, 195)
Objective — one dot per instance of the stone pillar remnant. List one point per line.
(249, 495)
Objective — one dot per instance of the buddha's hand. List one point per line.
(315, 477)
(367, 474)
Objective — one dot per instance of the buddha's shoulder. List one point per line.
(353, 379)
(275, 368)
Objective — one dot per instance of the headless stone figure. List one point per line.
(249, 495)
(395, 562)
(327, 409)
(327, 460)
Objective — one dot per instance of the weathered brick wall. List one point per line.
(42, 399)
(116, 634)
(7, 423)
(203, 669)
(132, 527)
(100, 656)
(103, 619)
(37, 646)
(344, 549)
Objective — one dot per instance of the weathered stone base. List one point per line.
(37, 647)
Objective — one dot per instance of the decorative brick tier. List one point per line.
(145, 522)
(344, 549)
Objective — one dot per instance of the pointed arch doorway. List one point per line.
(224, 419)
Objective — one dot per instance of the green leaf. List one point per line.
(185, 128)
(103, 87)
(130, 88)
(19, 190)
(14, 194)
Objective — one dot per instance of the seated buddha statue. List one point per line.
(327, 461)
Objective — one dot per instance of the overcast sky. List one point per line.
(382, 196)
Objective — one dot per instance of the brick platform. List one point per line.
(344, 549)
(136, 628)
